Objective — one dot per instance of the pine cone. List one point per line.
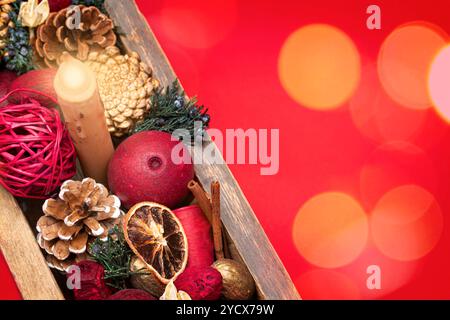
(125, 86)
(57, 36)
(83, 212)
(5, 21)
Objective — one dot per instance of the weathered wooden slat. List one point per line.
(244, 229)
(23, 255)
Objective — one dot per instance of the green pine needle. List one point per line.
(171, 111)
(88, 3)
(114, 255)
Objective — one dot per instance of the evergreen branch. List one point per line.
(114, 255)
(170, 111)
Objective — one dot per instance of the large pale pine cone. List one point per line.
(125, 84)
(83, 212)
(5, 21)
(60, 34)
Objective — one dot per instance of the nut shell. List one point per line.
(238, 283)
(145, 280)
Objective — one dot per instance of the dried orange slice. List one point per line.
(157, 237)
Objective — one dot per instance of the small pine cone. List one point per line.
(125, 85)
(84, 211)
(60, 34)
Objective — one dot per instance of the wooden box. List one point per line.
(247, 240)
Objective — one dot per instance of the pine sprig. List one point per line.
(114, 255)
(170, 111)
(100, 4)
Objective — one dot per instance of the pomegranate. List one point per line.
(142, 170)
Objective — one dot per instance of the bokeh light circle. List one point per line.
(393, 274)
(439, 83)
(404, 61)
(330, 230)
(406, 223)
(326, 284)
(379, 117)
(319, 66)
(184, 23)
(391, 165)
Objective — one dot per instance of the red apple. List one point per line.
(142, 170)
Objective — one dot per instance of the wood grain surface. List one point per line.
(273, 281)
(23, 255)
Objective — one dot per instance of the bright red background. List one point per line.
(226, 52)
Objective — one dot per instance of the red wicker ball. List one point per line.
(36, 152)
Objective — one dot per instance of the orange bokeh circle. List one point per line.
(330, 230)
(406, 223)
(319, 66)
(404, 61)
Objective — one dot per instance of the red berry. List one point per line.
(57, 5)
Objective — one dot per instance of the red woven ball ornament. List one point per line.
(36, 152)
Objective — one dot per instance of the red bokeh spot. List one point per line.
(379, 117)
(394, 164)
(326, 284)
(184, 22)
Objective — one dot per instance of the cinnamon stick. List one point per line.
(226, 249)
(202, 198)
(216, 222)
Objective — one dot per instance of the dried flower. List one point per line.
(33, 13)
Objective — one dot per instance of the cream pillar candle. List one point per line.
(80, 103)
